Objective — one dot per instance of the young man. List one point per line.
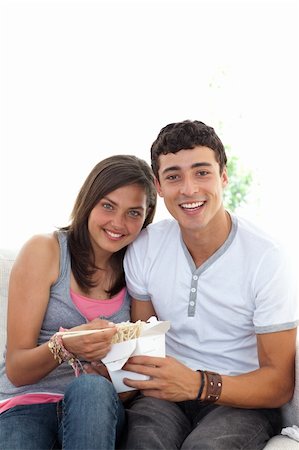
(224, 286)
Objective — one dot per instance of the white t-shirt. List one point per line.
(215, 310)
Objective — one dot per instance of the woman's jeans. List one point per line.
(90, 416)
(191, 425)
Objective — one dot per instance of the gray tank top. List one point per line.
(61, 312)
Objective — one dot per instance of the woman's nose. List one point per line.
(118, 221)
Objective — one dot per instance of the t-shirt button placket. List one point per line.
(192, 301)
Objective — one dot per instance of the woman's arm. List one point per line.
(35, 270)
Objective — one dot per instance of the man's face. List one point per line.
(192, 186)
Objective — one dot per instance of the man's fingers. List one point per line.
(139, 384)
(147, 360)
(143, 370)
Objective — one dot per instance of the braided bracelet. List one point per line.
(60, 353)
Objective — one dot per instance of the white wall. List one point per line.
(81, 80)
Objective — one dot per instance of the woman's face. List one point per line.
(117, 219)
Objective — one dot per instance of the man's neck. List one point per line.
(204, 242)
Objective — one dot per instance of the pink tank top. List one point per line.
(92, 308)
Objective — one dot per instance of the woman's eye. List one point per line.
(134, 213)
(107, 206)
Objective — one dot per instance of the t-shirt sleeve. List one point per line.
(276, 299)
(134, 266)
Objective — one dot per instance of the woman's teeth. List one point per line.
(113, 235)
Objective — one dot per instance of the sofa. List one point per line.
(290, 410)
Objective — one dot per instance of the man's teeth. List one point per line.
(192, 205)
(113, 235)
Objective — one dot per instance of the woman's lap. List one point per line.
(90, 416)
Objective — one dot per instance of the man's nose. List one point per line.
(189, 186)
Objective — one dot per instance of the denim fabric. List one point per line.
(161, 425)
(90, 416)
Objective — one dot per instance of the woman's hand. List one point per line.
(93, 346)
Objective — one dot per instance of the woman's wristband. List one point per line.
(61, 354)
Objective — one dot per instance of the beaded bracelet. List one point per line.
(60, 353)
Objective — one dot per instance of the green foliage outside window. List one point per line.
(235, 194)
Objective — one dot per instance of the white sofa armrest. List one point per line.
(281, 442)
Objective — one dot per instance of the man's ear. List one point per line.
(224, 177)
(158, 187)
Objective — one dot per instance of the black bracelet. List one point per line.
(202, 384)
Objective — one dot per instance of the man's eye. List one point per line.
(203, 173)
(172, 177)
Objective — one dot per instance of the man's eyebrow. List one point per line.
(193, 166)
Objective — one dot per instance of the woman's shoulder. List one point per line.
(41, 252)
(40, 243)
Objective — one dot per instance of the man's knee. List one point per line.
(156, 424)
(228, 428)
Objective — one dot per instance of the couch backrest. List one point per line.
(6, 261)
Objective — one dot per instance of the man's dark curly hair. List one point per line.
(186, 135)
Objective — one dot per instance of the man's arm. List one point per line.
(272, 385)
(141, 310)
(269, 386)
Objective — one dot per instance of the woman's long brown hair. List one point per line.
(108, 175)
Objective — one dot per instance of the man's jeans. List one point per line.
(162, 425)
(90, 416)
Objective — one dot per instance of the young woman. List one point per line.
(72, 279)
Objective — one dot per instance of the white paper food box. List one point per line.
(151, 342)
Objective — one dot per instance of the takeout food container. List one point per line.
(151, 342)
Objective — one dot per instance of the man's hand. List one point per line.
(169, 379)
